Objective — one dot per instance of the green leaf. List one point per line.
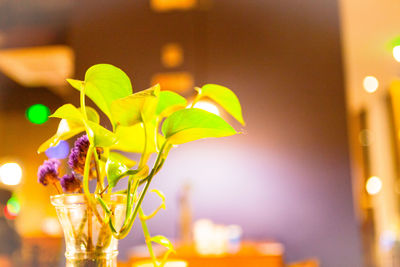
(66, 129)
(136, 108)
(102, 136)
(187, 125)
(131, 139)
(104, 83)
(163, 241)
(224, 97)
(123, 159)
(170, 102)
(68, 112)
(77, 84)
(115, 170)
(70, 125)
(92, 115)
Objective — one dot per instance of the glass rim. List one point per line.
(80, 199)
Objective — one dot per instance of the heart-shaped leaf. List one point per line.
(66, 129)
(115, 170)
(123, 159)
(104, 83)
(68, 112)
(102, 136)
(136, 108)
(187, 125)
(70, 125)
(132, 139)
(170, 102)
(224, 97)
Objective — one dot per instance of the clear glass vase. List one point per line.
(88, 241)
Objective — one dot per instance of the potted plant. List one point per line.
(149, 122)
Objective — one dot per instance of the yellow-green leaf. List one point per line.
(68, 112)
(135, 108)
(123, 159)
(131, 139)
(115, 170)
(104, 83)
(170, 102)
(102, 136)
(187, 125)
(92, 115)
(70, 125)
(224, 97)
(66, 129)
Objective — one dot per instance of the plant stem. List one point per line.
(128, 222)
(99, 180)
(147, 236)
(89, 239)
(197, 98)
(58, 190)
(145, 154)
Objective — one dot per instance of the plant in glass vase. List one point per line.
(147, 122)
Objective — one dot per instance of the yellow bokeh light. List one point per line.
(207, 106)
(370, 84)
(374, 185)
(396, 53)
(10, 173)
(168, 5)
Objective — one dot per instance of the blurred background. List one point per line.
(314, 179)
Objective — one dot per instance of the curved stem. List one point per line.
(129, 221)
(197, 98)
(147, 237)
(100, 186)
(145, 154)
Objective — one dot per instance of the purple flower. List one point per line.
(70, 184)
(48, 172)
(78, 154)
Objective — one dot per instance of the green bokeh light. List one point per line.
(38, 113)
(13, 206)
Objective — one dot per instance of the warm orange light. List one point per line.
(38, 66)
(179, 82)
(169, 263)
(172, 55)
(168, 5)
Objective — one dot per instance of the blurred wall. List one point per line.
(287, 177)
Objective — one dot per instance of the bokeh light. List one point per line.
(38, 113)
(10, 173)
(13, 206)
(51, 226)
(7, 214)
(60, 151)
(396, 53)
(374, 185)
(207, 106)
(370, 84)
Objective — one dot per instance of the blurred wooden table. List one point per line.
(251, 254)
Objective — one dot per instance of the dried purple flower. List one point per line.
(70, 184)
(48, 172)
(78, 154)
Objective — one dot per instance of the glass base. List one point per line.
(91, 260)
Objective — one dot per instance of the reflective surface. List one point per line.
(89, 242)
